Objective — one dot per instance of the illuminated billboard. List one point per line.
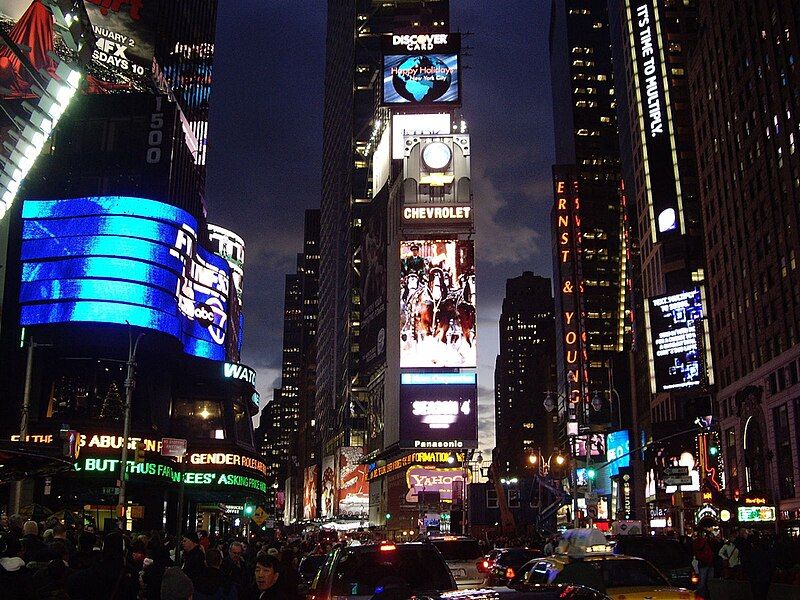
(756, 514)
(433, 480)
(421, 70)
(618, 446)
(659, 152)
(438, 410)
(353, 487)
(121, 60)
(310, 476)
(373, 284)
(114, 259)
(437, 304)
(327, 506)
(676, 340)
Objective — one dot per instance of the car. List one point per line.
(541, 592)
(308, 569)
(361, 572)
(462, 555)
(484, 564)
(504, 567)
(584, 557)
(669, 554)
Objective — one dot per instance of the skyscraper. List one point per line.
(745, 95)
(352, 75)
(590, 245)
(525, 372)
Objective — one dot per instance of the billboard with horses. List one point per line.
(437, 304)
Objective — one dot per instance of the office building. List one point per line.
(745, 90)
(524, 373)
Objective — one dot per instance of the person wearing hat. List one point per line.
(414, 263)
(175, 585)
(194, 560)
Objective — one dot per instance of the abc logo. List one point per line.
(204, 314)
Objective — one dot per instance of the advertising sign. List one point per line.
(673, 340)
(373, 284)
(122, 58)
(438, 410)
(662, 179)
(310, 477)
(437, 304)
(327, 507)
(353, 488)
(421, 70)
(114, 259)
(676, 457)
(432, 480)
(618, 446)
(598, 445)
(756, 514)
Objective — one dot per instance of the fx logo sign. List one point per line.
(112, 48)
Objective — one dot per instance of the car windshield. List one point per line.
(666, 553)
(312, 564)
(517, 556)
(365, 573)
(459, 549)
(630, 573)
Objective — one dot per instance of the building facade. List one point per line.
(525, 372)
(745, 95)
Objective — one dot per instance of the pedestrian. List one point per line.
(16, 580)
(203, 540)
(176, 585)
(548, 547)
(50, 581)
(108, 579)
(194, 561)
(35, 548)
(213, 584)
(234, 568)
(744, 546)
(267, 575)
(154, 566)
(60, 534)
(703, 561)
(85, 556)
(729, 554)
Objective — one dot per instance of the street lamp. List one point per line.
(597, 404)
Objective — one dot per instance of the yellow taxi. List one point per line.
(584, 557)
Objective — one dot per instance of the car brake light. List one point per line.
(386, 547)
(510, 573)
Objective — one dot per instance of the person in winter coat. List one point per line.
(155, 564)
(213, 584)
(194, 561)
(110, 578)
(50, 581)
(15, 579)
(704, 559)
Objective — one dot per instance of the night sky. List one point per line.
(265, 154)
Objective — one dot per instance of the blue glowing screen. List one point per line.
(113, 259)
(618, 446)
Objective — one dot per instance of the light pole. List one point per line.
(130, 383)
(597, 404)
(550, 406)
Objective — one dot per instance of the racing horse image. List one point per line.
(457, 313)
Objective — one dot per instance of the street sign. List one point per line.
(173, 447)
(676, 471)
(592, 499)
(259, 516)
(678, 480)
(591, 511)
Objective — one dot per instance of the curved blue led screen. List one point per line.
(113, 259)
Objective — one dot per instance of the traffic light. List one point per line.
(249, 508)
(138, 456)
(713, 450)
(591, 473)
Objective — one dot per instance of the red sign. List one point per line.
(173, 447)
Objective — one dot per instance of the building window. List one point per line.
(491, 499)
(783, 451)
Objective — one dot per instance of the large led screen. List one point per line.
(439, 410)
(673, 322)
(437, 304)
(618, 447)
(115, 259)
(310, 476)
(121, 60)
(421, 70)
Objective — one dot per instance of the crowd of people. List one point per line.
(48, 561)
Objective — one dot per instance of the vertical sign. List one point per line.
(662, 179)
(570, 282)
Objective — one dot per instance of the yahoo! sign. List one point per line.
(431, 479)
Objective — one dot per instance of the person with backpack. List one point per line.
(729, 554)
(212, 583)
